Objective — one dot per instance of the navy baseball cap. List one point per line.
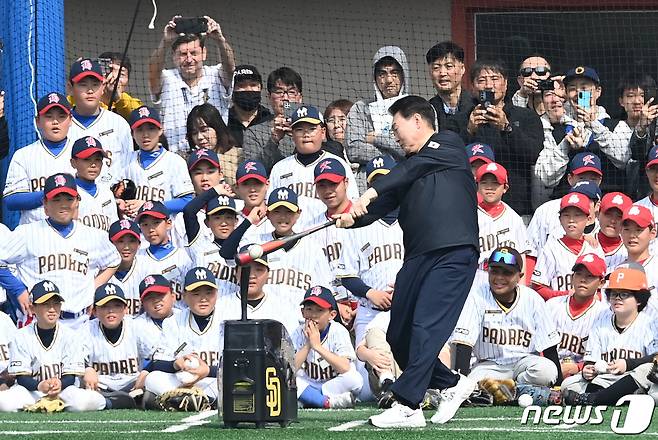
(154, 283)
(480, 151)
(379, 165)
(588, 188)
(53, 99)
(43, 291)
(246, 72)
(262, 259)
(306, 113)
(321, 296)
(142, 115)
(652, 156)
(154, 209)
(506, 257)
(221, 203)
(251, 169)
(199, 276)
(86, 147)
(584, 162)
(60, 183)
(84, 68)
(202, 154)
(283, 197)
(581, 72)
(329, 169)
(108, 292)
(122, 227)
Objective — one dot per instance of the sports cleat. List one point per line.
(399, 416)
(431, 400)
(479, 398)
(340, 401)
(120, 400)
(386, 400)
(452, 398)
(572, 398)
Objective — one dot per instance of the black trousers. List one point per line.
(430, 292)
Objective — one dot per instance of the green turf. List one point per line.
(483, 423)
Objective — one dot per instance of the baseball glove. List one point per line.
(653, 374)
(124, 189)
(46, 405)
(184, 399)
(502, 390)
(479, 398)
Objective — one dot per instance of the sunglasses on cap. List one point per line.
(504, 257)
(621, 295)
(539, 70)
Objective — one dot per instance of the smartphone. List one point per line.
(106, 65)
(584, 99)
(289, 109)
(486, 98)
(191, 25)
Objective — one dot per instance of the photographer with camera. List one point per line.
(514, 133)
(189, 83)
(535, 78)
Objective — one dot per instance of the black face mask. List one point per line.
(247, 100)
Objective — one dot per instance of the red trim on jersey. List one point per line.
(344, 211)
(577, 310)
(546, 292)
(610, 245)
(494, 210)
(653, 200)
(530, 263)
(575, 245)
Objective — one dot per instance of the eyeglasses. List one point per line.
(337, 121)
(504, 257)
(291, 93)
(621, 295)
(539, 70)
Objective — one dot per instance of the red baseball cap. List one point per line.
(616, 200)
(593, 263)
(641, 215)
(492, 168)
(576, 200)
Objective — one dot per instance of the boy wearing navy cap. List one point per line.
(478, 155)
(31, 164)
(252, 185)
(126, 236)
(98, 207)
(325, 358)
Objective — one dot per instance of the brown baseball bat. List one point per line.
(244, 258)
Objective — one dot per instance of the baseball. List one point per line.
(185, 376)
(525, 400)
(601, 366)
(256, 251)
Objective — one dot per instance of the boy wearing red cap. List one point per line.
(574, 314)
(611, 211)
(553, 271)
(651, 170)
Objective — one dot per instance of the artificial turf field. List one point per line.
(487, 423)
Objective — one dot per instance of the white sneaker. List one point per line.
(452, 398)
(399, 416)
(343, 400)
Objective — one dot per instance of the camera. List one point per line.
(545, 85)
(486, 98)
(191, 25)
(106, 65)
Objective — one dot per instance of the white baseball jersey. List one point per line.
(205, 253)
(130, 286)
(117, 364)
(98, 211)
(337, 340)
(293, 174)
(114, 134)
(270, 307)
(294, 271)
(613, 257)
(554, 266)
(29, 357)
(650, 266)
(30, 167)
(207, 344)
(255, 231)
(647, 202)
(505, 229)
(637, 340)
(504, 335)
(152, 333)
(164, 179)
(332, 241)
(574, 329)
(173, 266)
(70, 262)
(374, 253)
(7, 332)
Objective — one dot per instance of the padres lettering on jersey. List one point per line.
(290, 277)
(506, 229)
(637, 340)
(164, 179)
(70, 262)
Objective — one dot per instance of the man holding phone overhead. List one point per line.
(189, 83)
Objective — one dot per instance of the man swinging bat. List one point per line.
(435, 192)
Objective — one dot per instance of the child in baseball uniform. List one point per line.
(252, 183)
(651, 170)
(505, 325)
(125, 235)
(46, 358)
(611, 212)
(574, 314)
(478, 155)
(553, 271)
(200, 328)
(32, 164)
(326, 374)
(161, 256)
(98, 207)
(621, 340)
(7, 332)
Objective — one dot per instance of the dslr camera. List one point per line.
(545, 85)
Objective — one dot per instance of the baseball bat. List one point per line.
(244, 258)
